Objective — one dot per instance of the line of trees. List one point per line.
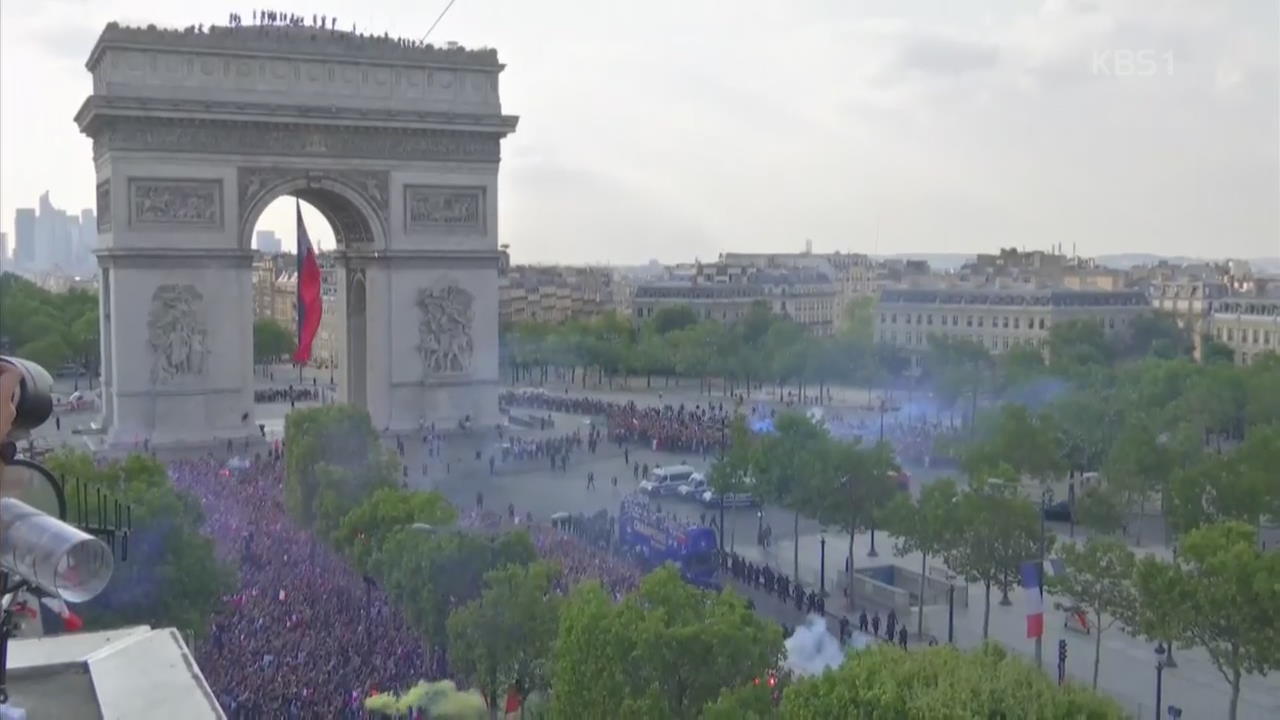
(760, 348)
(52, 329)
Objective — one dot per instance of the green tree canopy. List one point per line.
(504, 638)
(52, 329)
(667, 650)
(940, 683)
(1223, 594)
(334, 460)
(430, 573)
(171, 576)
(362, 531)
(272, 341)
(1099, 581)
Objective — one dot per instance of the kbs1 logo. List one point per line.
(1132, 63)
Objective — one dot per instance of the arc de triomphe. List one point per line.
(194, 134)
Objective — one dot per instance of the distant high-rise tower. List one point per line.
(24, 237)
(808, 246)
(267, 242)
(4, 248)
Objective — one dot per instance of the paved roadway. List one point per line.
(1128, 664)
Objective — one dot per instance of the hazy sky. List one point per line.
(672, 129)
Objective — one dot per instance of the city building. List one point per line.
(275, 296)
(854, 275)
(998, 318)
(47, 239)
(330, 337)
(553, 294)
(1248, 325)
(24, 237)
(4, 248)
(266, 241)
(725, 291)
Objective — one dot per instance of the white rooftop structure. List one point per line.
(133, 673)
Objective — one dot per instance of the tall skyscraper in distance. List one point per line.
(24, 237)
(4, 248)
(267, 242)
(56, 233)
(83, 257)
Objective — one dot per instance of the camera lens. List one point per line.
(34, 402)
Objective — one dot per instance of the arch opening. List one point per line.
(333, 221)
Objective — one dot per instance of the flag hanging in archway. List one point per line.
(310, 306)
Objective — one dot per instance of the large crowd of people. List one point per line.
(303, 636)
(700, 429)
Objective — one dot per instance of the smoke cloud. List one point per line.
(812, 649)
(439, 700)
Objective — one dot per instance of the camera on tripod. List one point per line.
(42, 555)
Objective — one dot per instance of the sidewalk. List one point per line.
(1127, 671)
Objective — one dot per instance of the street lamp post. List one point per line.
(1161, 664)
(822, 566)
(951, 612)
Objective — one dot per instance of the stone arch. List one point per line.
(358, 215)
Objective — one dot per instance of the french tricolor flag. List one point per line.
(1032, 573)
(310, 306)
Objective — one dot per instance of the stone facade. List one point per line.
(998, 319)
(1248, 325)
(195, 134)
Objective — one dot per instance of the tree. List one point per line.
(791, 465)
(860, 483)
(998, 531)
(362, 531)
(670, 319)
(858, 318)
(430, 573)
(1221, 593)
(334, 460)
(1076, 344)
(504, 638)
(1156, 334)
(942, 683)
(927, 526)
(1014, 445)
(1137, 466)
(51, 329)
(749, 702)
(271, 341)
(1242, 486)
(1101, 508)
(1099, 580)
(1216, 352)
(667, 650)
(172, 576)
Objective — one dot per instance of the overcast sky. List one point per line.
(675, 129)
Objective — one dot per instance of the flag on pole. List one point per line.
(309, 304)
(1033, 589)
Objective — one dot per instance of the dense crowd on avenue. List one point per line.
(303, 636)
(672, 428)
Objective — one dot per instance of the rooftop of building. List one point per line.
(292, 41)
(1046, 297)
(692, 290)
(134, 672)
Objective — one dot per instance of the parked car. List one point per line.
(711, 499)
(695, 487)
(666, 480)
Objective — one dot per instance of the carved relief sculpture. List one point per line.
(177, 333)
(446, 315)
(175, 202)
(429, 207)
